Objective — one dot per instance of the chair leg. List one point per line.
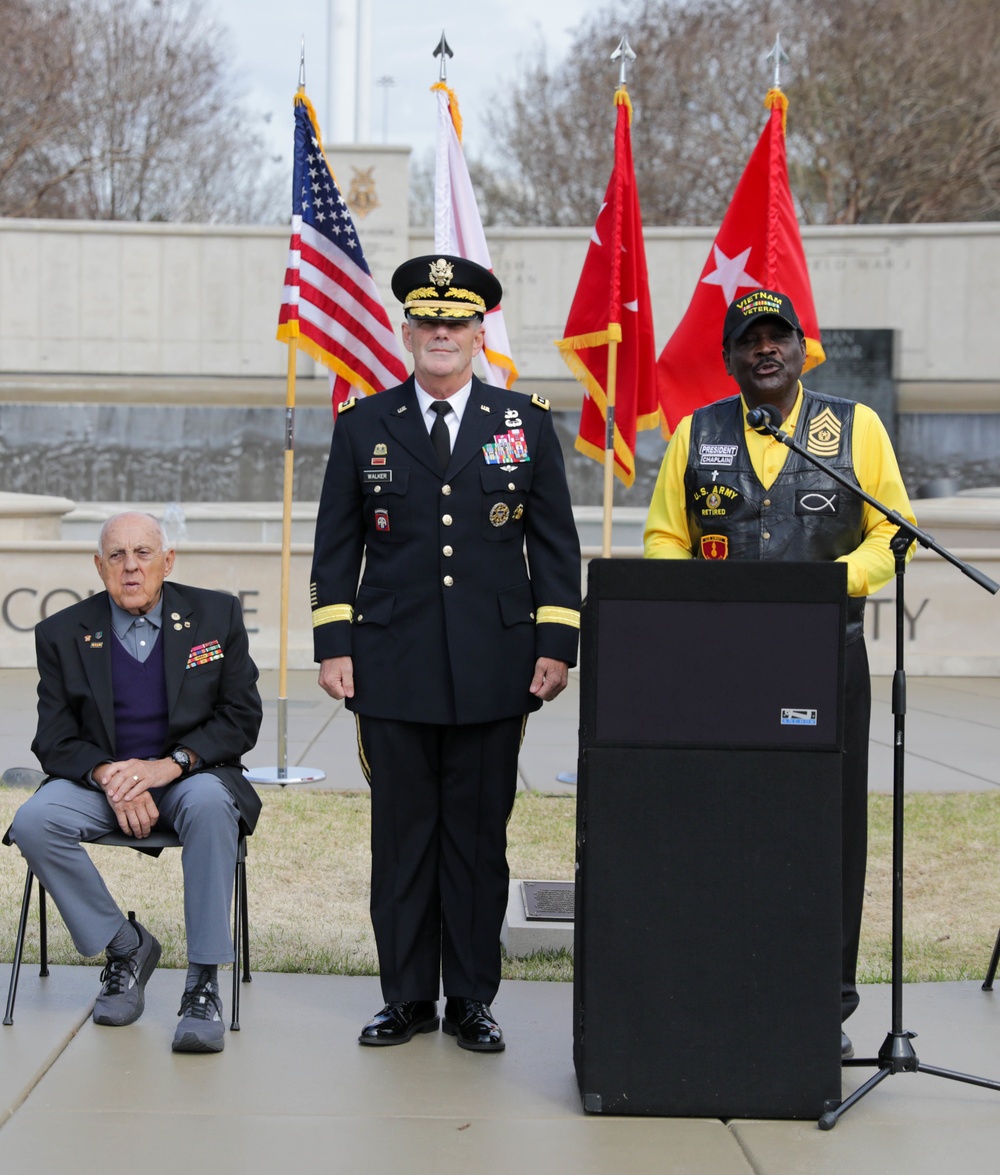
(15, 966)
(43, 934)
(245, 913)
(991, 972)
(237, 927)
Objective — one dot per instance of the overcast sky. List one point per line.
(490, 40)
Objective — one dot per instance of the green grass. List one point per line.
(308, 867)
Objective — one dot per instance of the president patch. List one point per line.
(824, 502)
(717, 456)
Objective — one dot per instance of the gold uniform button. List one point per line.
(531, 615)
(767, 534)
(446, 489)
(377, 490)
(360, 616)
(447, 551)
(175, 615)
(446, 519)
(767, 501)
(448, 581)
(510, 485)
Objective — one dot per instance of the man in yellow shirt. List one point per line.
(726, 491)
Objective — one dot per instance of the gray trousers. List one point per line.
(49, 827)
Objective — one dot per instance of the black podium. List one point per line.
(707, 942)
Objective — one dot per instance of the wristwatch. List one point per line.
(182, 759)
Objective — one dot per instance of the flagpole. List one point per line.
(280, 774)
(623, 54)
(609, 447)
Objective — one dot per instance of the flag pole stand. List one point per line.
(281, 774)
(609, 449)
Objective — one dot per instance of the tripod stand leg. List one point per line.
(992, 970)
(985, 1082)
(832, 1117)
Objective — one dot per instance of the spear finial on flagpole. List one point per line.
(626, 53)
(780, 58)
(302, 63)
(443, 51)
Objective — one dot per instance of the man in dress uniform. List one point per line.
(727, 491)
(147, 699)
(442, 486)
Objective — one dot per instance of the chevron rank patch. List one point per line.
(824, 434)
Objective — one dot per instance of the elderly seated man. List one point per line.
(147, 699)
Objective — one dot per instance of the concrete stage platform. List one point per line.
(294, 1092)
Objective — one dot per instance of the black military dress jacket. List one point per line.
(447, 622)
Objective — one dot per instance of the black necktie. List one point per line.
(440, 436)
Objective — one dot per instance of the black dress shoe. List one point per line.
(846, 1048)
(473, 1023)
(399, 1021)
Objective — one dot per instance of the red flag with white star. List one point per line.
(758, 245)
(612, 304)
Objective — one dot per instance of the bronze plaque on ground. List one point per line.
(548, 901)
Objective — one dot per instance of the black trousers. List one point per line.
(441, 798)
(857, 722)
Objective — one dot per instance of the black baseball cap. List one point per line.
(441, 286)
(757, 304)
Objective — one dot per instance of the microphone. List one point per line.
(765, 419)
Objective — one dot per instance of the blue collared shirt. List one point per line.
(138, 634)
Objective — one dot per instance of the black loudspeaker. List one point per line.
(707, 977)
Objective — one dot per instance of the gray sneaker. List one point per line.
(201, 1029)
(123, 991)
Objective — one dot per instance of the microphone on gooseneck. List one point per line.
(765, 419)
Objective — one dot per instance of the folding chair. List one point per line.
(152, 846)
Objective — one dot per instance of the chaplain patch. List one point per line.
(717, 455)
(714, 546)
(817, 501)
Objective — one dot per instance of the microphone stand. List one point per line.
(897, 1054)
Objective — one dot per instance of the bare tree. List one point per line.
(897, 111)
(37, 69)
(143, 123)
(894, 111)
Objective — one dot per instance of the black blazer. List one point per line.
(213, 708)
(468, 576)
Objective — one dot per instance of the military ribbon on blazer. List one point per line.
(203, 654)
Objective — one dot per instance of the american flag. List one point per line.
(331, 306)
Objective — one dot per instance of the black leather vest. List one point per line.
(804, 517)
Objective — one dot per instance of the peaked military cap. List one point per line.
(441, 286)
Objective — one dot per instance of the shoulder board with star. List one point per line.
(540, 402)
(347, 404)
